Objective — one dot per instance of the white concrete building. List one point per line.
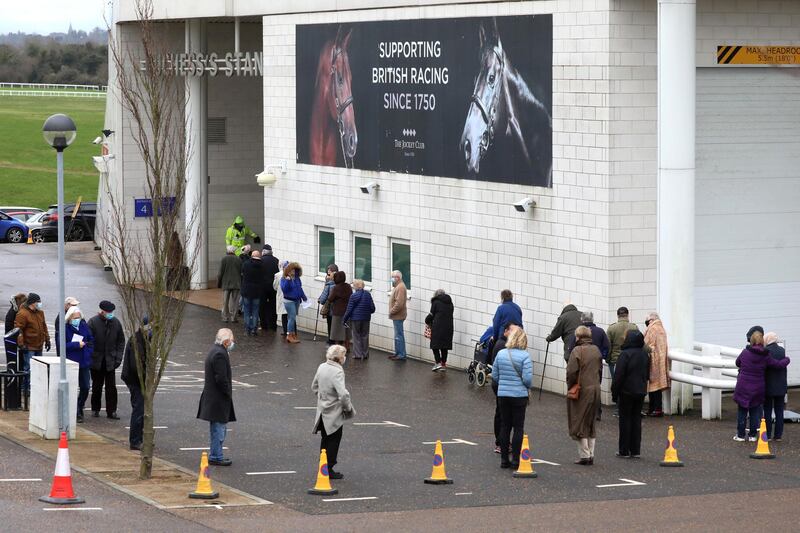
(675, 178)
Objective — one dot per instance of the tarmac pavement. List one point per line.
(405, 407)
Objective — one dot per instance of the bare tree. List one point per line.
(150, 266)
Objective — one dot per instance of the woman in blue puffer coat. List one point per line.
(513, 373)
(80, 344)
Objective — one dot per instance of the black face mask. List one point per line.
(238, 226)
(647, 323)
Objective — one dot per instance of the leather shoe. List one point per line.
(583, 461)
(136, 447)
(96, 414)
(335, 475)
(220, 462)
(113, 416)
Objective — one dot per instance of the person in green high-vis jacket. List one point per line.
(237, 234)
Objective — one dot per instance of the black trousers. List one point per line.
(512, 416)
(656, 399)
(136, 434)
(104, 377)
(267, 313)
(284, 322)
(496, 419)
(630, 423)
(329, 319)
(440, 356)
(330, 443)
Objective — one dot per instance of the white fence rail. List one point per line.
(712, 366)
(45, 86)
(68, 94)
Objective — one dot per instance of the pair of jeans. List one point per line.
(217, 435)
(440, 356)
(26, 367)
(99, 379)
(755, 420)
(136, 434)
(512, 416)
(330, 443)
(630, 423)
(399, 339)
(84, 382)
(774, 404)
(611, 368)
(230, 301)
(250, 314)
(292, 308)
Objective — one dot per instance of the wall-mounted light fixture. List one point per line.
(268, 177)
(524, 205)
(370, 188)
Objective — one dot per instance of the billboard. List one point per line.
(464, 98)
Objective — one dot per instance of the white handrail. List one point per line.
(723, 350)
(700, 360)
(701, 381)
(714, 362)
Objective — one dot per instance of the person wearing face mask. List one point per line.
(80, 343)
(237, 234)
(33, 334)
(398, 312)
(216, 401)
(109, 347)
(333, 404)
(137, 345)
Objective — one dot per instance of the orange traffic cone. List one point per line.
(323, 486)
(525, 461)
(204, 491)
(30, 238)
(438, 475)
(61, 491)
(762, 450)
(671, 453)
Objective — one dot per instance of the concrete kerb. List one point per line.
(174, 480)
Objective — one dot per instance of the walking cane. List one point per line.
(316, 323)
(541, 385)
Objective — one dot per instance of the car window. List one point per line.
(3, 216)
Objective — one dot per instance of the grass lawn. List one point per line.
(28, 164)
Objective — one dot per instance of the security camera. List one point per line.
(97, 140)
(524, 204)
(370, 187)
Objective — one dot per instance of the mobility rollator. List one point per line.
(480, 369)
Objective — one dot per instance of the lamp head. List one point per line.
(59, 131)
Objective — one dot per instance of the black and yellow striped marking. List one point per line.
(758, 55)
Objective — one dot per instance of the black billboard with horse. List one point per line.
(463, 98)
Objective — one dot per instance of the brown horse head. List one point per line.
(340, 103)
(487, 102)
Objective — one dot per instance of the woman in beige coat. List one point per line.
(333, 404)
(656, 338)
(585, 363)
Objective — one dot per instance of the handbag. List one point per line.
(325, 310)
(574, 392)
(519, 374)
(427, 332)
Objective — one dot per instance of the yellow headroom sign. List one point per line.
(758, 55)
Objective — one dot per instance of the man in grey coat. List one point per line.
(333, 404)
(216, 401)
(230, 281)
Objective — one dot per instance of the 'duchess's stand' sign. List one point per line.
(198, 64)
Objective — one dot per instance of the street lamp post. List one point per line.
(59, 131)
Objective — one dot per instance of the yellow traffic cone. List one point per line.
(671, 453)
(525, 461)
(762, 450)
(438, 475)
(323, 486)
(30, 238)
(204, 490)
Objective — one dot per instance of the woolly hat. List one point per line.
(753, 330)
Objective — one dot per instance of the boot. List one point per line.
(292, 338)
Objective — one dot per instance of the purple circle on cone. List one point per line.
(437, 460)
(526, 455)
(764, 437)
(205, 471)
(324, 470)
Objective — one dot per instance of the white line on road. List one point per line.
(454, 441)
(628, 483)
(306, 408)
(270, 473)
(384, 423)
(543, 462)
(349, 499)
(22, 479)
(463, 493)
(198, 449)
(72, 509)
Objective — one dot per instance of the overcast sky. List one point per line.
(46, 16)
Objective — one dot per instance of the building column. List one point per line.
(196, 201)
(676, 187)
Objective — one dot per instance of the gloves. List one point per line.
(47, 346)
(257, 239)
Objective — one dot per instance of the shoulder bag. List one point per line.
(519, 374)
(574, 392)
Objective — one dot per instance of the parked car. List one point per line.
(12, 230)
(21, 213)
(34, 224)
(79, 229)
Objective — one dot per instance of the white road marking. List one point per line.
(279, 393)
(198, 449)
(543, 462)
(72, 509)
(306, 408)
(628, 483)
(350, 499)
(11, 480)
(454, 441)
(384, 423)
(270, 473)
(463, 493)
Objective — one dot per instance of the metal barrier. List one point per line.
(76, 94)
(713, 366)
(39, 86)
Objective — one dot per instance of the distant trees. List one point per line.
(46, 60)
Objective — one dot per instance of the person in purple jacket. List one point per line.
(749, 392)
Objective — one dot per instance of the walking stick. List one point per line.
(316, 322)
(541, 385)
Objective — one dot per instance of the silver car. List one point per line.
(34, 224)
